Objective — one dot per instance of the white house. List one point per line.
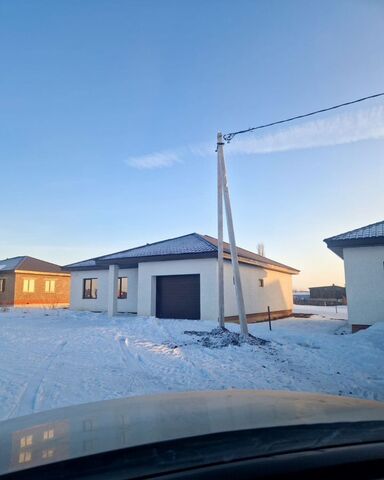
(177, 278)
(363, 253)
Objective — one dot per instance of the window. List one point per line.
(87, 425)
(261, 282)
(28, 285)
(25, 457)
(2, 285)
(26, 441)
(122, 287)
(90, 288)
(50, 286)
(47, 453)
(48, 434)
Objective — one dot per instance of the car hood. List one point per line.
(87, 429)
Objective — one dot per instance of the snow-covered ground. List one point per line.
(54, 358)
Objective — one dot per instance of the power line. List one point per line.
(229, 136)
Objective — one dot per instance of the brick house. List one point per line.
(27, 281)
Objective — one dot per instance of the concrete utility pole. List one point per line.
(220, 270)
(232, 241)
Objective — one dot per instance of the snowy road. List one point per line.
(54, 358)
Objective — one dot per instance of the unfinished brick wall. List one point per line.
(60, 297)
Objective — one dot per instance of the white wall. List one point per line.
(277, 290)
(100, 303)
(205, 267)
(364, 276)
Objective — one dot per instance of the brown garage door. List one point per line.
(178, 296)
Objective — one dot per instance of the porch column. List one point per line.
(113, 275)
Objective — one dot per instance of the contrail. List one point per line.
(337, 130)
(341, 129)
(155, 160)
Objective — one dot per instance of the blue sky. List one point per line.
(89, 89)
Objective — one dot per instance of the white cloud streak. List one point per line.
(155, 160)
(336, 130)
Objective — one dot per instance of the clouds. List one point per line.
(155, 160)
(336, 130)
(340, 129)
(168, 158)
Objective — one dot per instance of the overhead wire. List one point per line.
(229, 136)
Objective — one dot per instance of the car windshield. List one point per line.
(192, 203)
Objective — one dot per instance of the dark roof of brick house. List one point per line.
(369, 235)
(30, 264)
(10, 264)
(192, 245)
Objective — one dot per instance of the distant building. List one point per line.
(29, 282)
(324, 296)
(330, 293)
(300, 298)
(363, 253)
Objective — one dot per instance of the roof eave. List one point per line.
(103, 264)
(132, 262)
(155, 258)
(267, 266)
(338, 250)
(337, 246)
(69, 268)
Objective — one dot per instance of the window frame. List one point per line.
(50, 282)
(30, 282)
(91, 280)
(120, 293)
(3, 282)
(49, 434)
(261, 282)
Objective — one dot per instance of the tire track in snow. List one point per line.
(29, 400)
(191, 366)
(213, 378)
(139, 378)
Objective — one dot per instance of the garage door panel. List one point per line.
(178, 296)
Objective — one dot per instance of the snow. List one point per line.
(54, 358)
(319, 311)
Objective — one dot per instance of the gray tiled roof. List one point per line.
(248, 255)
(9, 264)
(84, 263)
(192, 243)
(187, 244)
(375, 230)
(370, 235)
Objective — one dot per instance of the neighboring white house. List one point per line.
(363, 253)
(177, 278)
